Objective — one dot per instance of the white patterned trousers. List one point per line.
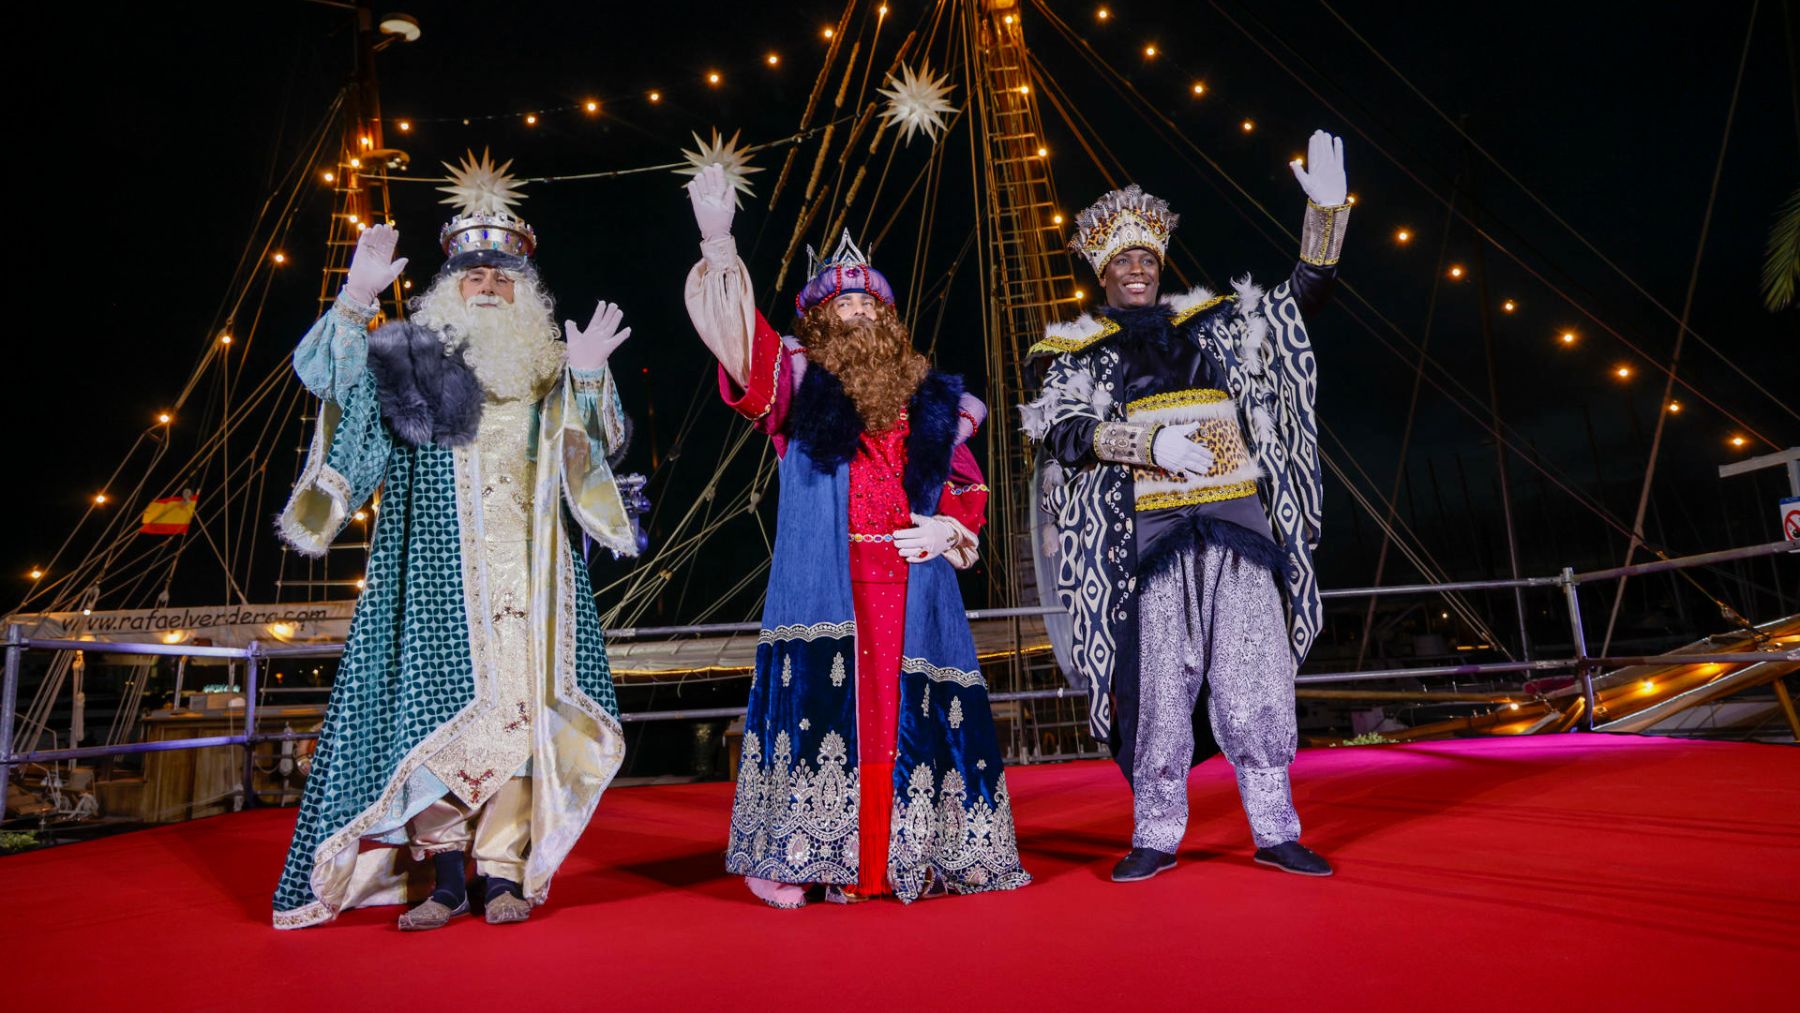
(1209, 620)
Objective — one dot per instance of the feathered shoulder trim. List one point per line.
(1088, 330)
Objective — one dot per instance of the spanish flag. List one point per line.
(169, 516)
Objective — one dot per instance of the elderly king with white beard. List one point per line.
(473, 714)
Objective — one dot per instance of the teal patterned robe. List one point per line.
(415, 670)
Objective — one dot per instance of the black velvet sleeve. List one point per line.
(1312, 286)
(1071, 442)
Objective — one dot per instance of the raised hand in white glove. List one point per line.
(373, 267)
(590, 348)
(1322, 173)
(1174, 450)
(713, 202)
(926, 540)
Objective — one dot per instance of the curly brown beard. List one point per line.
(874, 360)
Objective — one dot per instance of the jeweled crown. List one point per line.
(1121, 220)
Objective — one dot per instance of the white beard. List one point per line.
(512, 347)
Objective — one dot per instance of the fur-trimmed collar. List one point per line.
(1090, 329)
(826, 422)
(426, 396)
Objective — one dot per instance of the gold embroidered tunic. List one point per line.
(498, 743)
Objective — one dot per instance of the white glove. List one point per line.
(928, 539)
(1322, 173)
(373, 267)
(590, 348)
(1174, 450)
(713, 202)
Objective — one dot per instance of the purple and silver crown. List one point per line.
(845, 272)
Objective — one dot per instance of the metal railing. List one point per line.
(1584, 665)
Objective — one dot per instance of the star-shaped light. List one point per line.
(478, 187)
(728, 153)
(917, 102)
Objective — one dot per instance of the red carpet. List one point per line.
(1559, 872)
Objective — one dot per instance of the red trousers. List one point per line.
(880, 638)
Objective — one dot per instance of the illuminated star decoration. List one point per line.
(917, 102)
(478, 187)
(734, 158)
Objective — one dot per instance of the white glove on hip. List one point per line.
(589, 349)
(713, 202)
(373, 267)
(1175, 450)
(928, 539)
(1322, 175)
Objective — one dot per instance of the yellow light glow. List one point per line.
(656, 96)
(360, 226)
(1024, 89)
(281, 629)
(1456, 272)
(591, 106)
(1042, 152)
(1080, 294)
(365, 141)
(405, 125)
(531, 119)
(354, 218)
(1299, 160)
(361, 515)
(1008, 19)
(279, 257)
(1623, 372)
(165, 418)
(1248, 125)
(224, 339)
(1508, 306)
(713, 78)
(356, 163)
(1674, 407)
(328, 176)
(35, 574)
(1738, 441)
(99, 499)
(1403, 235)
(1056, 219)
(1102, 14)
(829, 32)
(174, 636)
(361, 583)
(1512, 706)
(1199, 88)
(1647, 686)
(407, 284)
(774, 59)
(1150, 52)
(1568, 337)
(1350, 197)
(881, 11)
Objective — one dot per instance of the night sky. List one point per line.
(160, 137)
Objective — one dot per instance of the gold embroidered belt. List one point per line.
(1233, 473)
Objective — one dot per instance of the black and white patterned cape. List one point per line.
(1085, 545)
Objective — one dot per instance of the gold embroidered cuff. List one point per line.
(1322, 236)
(1124, 442)
(347, 308)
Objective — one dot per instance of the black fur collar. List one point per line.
(426, 396)
(825, 420)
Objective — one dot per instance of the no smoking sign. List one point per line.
(1790, 518)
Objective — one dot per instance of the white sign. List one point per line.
(1790, 518)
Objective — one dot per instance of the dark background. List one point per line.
(153, 143)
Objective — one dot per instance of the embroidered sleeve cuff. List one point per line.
(1322, 235)
(588, 379)
(356, 313)
(720, 253)
(1124, 442)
